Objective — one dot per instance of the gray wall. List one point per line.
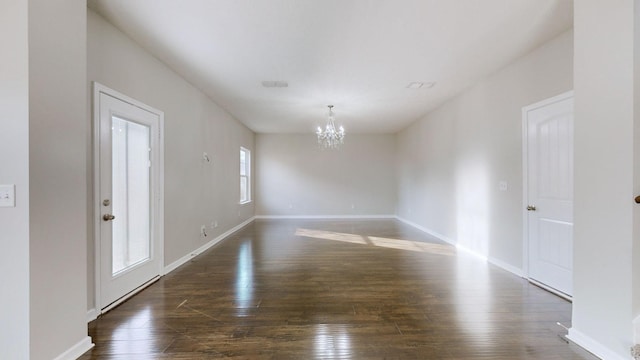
(57, 174)
(604, 281)
(297, 178)
(14, 147)
(196, 193)
(451, 161)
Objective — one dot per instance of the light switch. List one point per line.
(502, 185)
(8, 195)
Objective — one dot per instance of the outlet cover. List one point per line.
(8, 195)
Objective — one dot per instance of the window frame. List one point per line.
(246, 175)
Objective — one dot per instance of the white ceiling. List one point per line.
(358, 55)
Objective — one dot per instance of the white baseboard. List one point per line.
(183, 260)
(327, 217)
(508, 267)
(593, 346)
(435, 234)
(92, 314)
(636, 330)
(76, 350)
(499, 263)
(472, 252)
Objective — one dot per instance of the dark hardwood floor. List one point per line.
(284, 289)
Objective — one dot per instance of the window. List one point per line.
(245, 175)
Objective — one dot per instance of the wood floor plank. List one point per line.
(311, 289)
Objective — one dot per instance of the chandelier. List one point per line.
(330, 138)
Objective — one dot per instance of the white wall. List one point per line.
(636, 173)
(14, 169)
(196, 193)
(451, 161)
(57, 174)
(604, 165)
(297, 178)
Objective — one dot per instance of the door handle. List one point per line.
(637, 199)
(531, 208)
(108, 217)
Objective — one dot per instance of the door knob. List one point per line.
(637, 199)
(531, 208)
(108, 217)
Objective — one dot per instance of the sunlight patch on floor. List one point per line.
(330, 235)
(398, 244)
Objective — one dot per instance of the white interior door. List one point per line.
(549, 192)
(130, 221)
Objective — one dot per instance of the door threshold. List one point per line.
(129, 295)
(551, 290)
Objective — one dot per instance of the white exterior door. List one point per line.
(549, 192)
(128, 194)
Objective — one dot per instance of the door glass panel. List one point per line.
(130, 194)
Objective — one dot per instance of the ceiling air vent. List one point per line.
(275, 84)
(418, 85)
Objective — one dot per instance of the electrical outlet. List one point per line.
(8, 195)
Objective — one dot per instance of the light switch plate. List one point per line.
(8, 195)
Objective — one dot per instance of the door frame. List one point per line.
(158, 203)
(525, 183)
